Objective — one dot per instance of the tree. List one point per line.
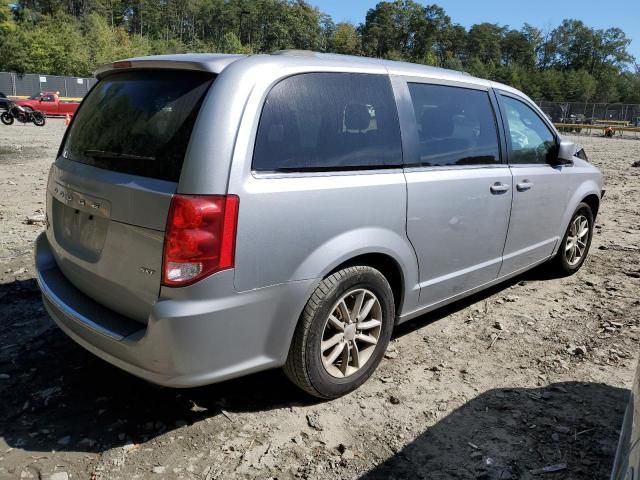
(611, 48)
(516, 48)
(231, 44)
(571, 61)
(578, 86)
(450, 46)
(382, 29)
(7, 25)
(403, 29)
(484, 43)
(628, 86)
(345, 39)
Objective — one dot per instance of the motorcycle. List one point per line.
(16, 112)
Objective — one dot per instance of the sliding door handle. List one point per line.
(524, 186)
(499, 188)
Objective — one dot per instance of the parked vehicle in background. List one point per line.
(50, 104)
(292, 209)
(627, 462)
(4, 101)
(22, 115)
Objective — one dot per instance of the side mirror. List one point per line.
(566, 151)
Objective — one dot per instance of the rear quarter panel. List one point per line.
(297, 228)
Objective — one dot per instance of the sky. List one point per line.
(544, 14)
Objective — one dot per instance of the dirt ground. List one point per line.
(532, 373)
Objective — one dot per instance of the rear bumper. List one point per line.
(195, 335)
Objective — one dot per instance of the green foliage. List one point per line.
(7, 25)
(484, 43)
(572, 61)
(628, 86)
(231, 44)
(578, 86)
(345, 39)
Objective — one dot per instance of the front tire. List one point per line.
(343, 333)
(39, 119)
(6, 118)
(575, 244)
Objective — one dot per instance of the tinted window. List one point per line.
(531, 140)
(138, 122)
(323, 121)
(47, 98)
(456, 126)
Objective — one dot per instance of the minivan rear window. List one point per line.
(138, 122)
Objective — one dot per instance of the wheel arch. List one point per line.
(383, 248)
(594, 203)
(385, 264)
(589, 193)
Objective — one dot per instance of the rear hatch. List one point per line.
(110, 190)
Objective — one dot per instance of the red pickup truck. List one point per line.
(50, 104)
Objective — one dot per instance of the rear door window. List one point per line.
(456, 126)
(329, 121)
(138, 122)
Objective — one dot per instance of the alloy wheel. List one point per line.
(351, 333)
(577, 239)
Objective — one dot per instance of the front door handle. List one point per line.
(524, 186)
(499, 188)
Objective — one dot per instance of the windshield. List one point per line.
(138, 122)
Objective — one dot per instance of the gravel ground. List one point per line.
(530, 374)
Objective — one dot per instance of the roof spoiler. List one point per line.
(213, 63)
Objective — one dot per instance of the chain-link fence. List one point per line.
(592, 113)
(19, 85)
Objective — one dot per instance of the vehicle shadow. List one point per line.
(539, 273)
(57, 396)
(571, 428)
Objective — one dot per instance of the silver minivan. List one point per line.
(209, 216)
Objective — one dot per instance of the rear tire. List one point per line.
(327, 329)
(6, 118)
(575, 244)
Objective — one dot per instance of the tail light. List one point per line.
(200, 237)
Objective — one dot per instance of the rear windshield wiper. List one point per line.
(115, 155)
